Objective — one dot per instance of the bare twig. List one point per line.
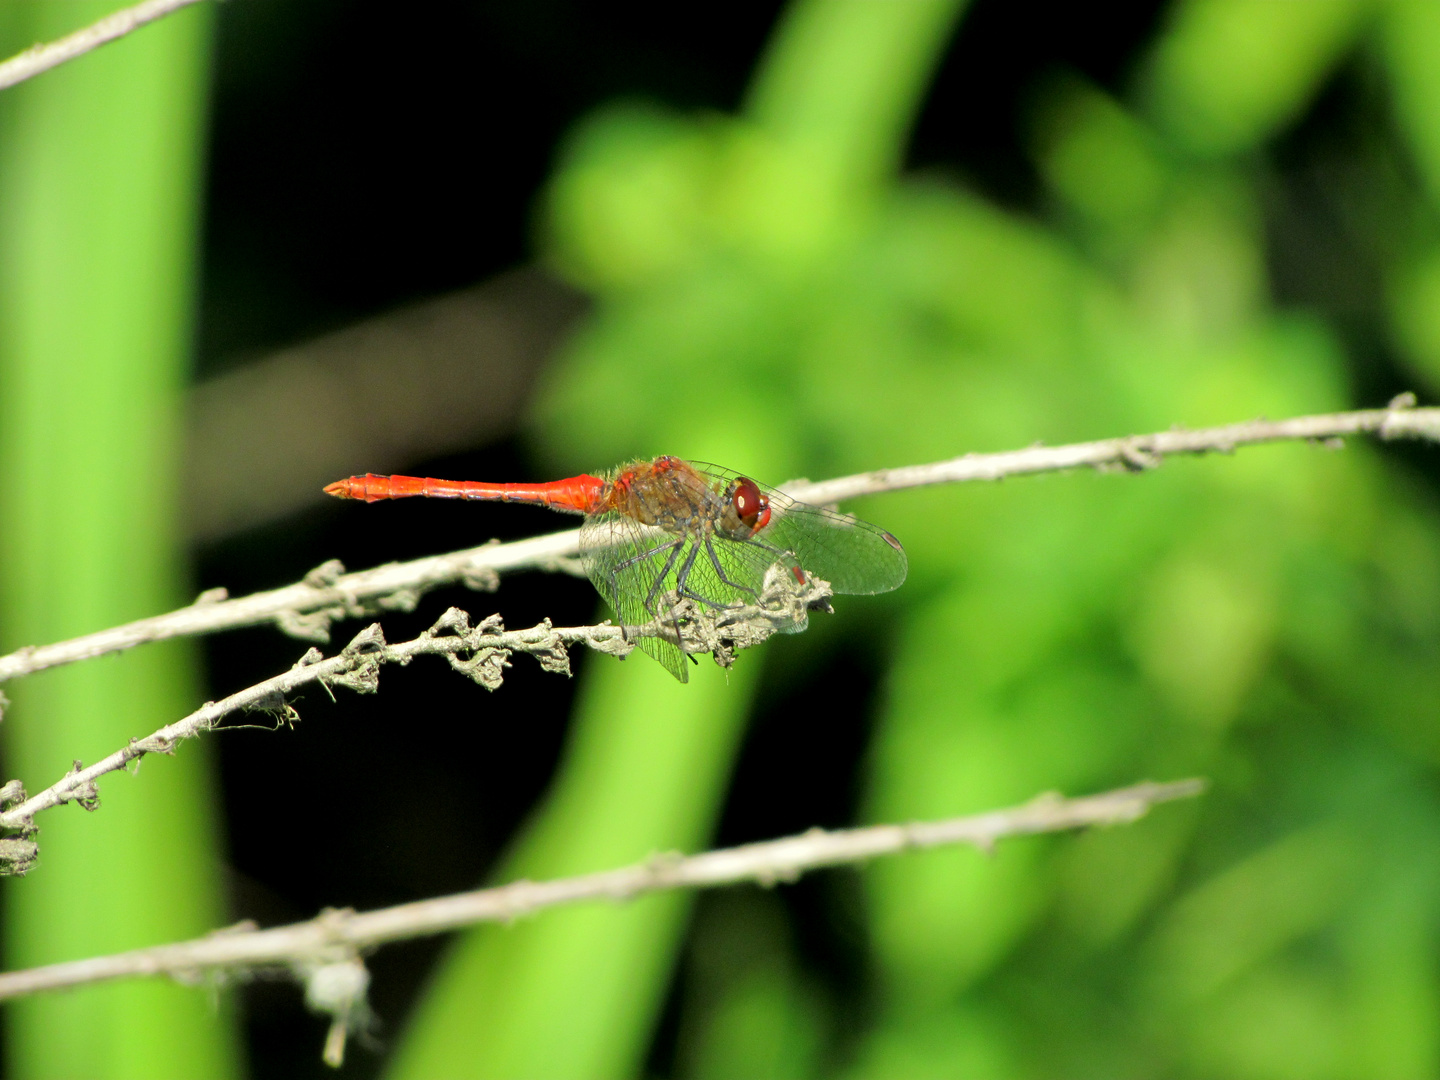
(782, 605)
(336, 937)
(306, 609)
(1137, 453)
(43, 57)
(481, 652)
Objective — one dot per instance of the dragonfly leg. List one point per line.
(682, 577)
(671, 545)
(647, 554)
(720, 571)
(674, 547)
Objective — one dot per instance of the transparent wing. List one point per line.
(854, 556)
(647, 575)
(721, 574)
(629, 563)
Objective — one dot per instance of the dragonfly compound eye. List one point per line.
(752, 508)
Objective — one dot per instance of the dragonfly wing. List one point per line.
(731, 574)
(855, 557)
(723, 574)
(629, 566)
(669, 655)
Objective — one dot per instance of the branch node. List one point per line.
(275, 705)
(1138, 456)
(366, 642)
(485, 665)
(611, 644)
(1401, 421)
(480, 578)
(211, 596)
(491, 624)
(306, 625)
(406, 599)
(363, 656)
(153, 744)
(325, 575)
(455, 621)
(85, 793)
(312, 656)
(12, 794)
(782, 872)
(549, 648)
(338, 988)
(18, 854)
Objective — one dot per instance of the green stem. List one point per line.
(98, 201)
(844, 80)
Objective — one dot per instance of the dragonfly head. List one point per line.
(751, 505)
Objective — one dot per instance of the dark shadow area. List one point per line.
(974, 119)
(366, 156)
(363, 155)
(1338, 211)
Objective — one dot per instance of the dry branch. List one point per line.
(481, 652)
(307, 608)
(337, 937)
(43, 57)
(1137, 453)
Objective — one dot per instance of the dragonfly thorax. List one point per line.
(670, 494)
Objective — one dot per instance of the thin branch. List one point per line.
(783, 606)
(306, 609)
(1139, 453)
(356, 667)
(337, 936)
(51, 54)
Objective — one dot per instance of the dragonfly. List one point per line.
(667, 536)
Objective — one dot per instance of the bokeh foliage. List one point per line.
(774, 293)
(99, 192)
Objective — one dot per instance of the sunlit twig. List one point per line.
(338, 936)
(482, 652)
(43, 57)
(307, 608)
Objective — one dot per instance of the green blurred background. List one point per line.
(800, 240)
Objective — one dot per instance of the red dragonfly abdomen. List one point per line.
(578, 495)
